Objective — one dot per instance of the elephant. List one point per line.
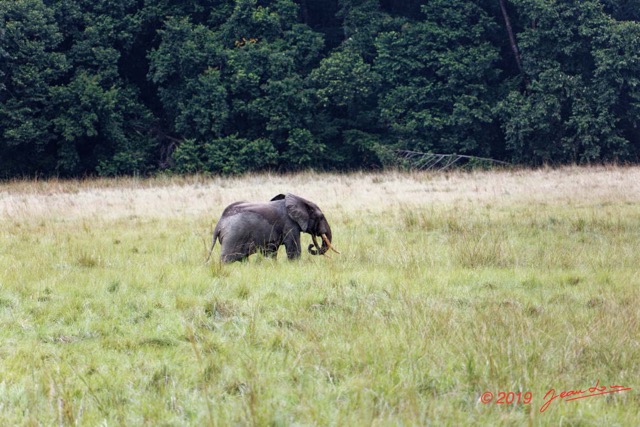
(248, 227)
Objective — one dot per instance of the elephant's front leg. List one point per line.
(292, 245)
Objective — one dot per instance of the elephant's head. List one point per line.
(311, 220)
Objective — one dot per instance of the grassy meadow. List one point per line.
(449, 285)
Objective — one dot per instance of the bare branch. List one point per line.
(440, 162)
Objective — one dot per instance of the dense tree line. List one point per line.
(131, 87)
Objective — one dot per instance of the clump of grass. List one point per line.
(480, 247)
(87, 260)
(219, 309)
(217, 269)
(417, 218)
(113, 287)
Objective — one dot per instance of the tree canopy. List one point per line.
(110, 87)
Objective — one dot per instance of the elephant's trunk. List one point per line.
(326, 244)
(315, 248)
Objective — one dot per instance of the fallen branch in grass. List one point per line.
(432, 161)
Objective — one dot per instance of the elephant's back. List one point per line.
(233, 209)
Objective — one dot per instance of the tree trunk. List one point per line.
(512, 37)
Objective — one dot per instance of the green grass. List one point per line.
(116, 320)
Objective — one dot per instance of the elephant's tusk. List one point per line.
(324, 237)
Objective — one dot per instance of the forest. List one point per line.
(138, 87)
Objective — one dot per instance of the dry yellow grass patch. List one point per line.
(373, 192)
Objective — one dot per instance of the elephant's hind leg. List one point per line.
(238, 252)
(233, 256)
(270, 250)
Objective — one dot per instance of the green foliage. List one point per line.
(188, 157)
(239, 86)
(581, 84)
(65, 109)
(343, 79)
(228, 155)
(439, 73)
(108, 86)
(234, 155)
(302, 149)
(31, 67)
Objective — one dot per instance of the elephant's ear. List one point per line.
(297, 210)
(278, 197)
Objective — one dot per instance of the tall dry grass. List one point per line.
(369, 192)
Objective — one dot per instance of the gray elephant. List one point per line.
(248, 227)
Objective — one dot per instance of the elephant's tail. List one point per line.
(216, 233)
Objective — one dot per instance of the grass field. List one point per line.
(448, 286)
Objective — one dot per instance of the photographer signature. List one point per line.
(569, 395)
